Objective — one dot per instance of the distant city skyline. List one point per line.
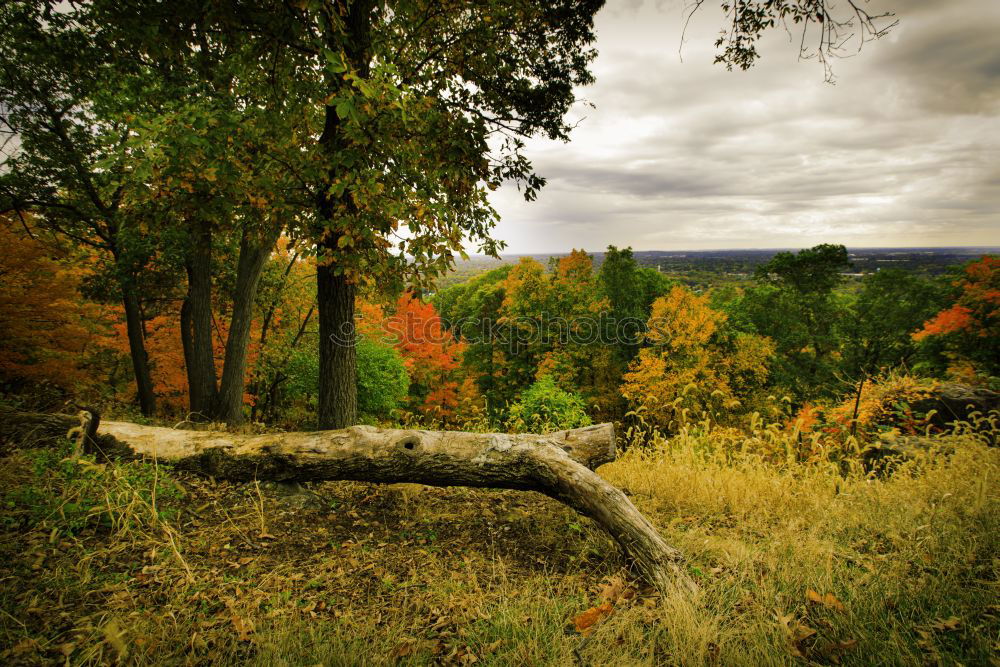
(900, 152)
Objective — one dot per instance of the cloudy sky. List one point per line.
(904, 150)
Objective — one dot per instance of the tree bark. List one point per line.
(253, 254)
(202, 379)
(557, 465)
(338, 390)
(137, 350)
(338, 397)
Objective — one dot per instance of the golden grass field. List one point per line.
(799, 563)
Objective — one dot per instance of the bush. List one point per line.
(545, 407)
(383, 382)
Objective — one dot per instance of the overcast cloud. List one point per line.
(903, 151)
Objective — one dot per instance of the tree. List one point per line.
(795, 305)
(383, 381)
(620, 283)
(69, 156)
(877, 328)
(423, 87)
(544, 407)
(156, 160)
(211, 154)
(431, 354)
(694, 367)
(472, 311)
(581, 358)
(49, 333)
(969, 329)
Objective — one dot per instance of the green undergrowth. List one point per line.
(798, 563)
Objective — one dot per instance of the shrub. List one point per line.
(545, 407)
(383, 382)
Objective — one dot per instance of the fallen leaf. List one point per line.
(586, 621)
(490, 648)
(408, 647)
(24, 646)
(829, 600)
(243, 627)
(613, 590)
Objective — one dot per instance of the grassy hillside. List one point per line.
(799, 563)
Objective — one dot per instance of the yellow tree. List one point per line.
(692, 367)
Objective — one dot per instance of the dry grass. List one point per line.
(354, 574)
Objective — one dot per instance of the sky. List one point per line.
(679, 154)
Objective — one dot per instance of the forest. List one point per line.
(257, 406)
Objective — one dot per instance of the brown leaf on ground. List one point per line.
(243, 627)
(796, 632)
(586, 621)
(407, 648)
(828, 600)
(612, 590)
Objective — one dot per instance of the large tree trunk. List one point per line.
(137, 350)
(202, 380)
(557, 465)
(338, 397)
(253, 254)
(338, 389)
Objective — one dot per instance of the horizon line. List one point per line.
(764, 248)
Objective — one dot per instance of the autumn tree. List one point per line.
(969, 329)
(431, 354)
(582, 358)
(68, 160)
(211, 164)
(49, 332)
(156, 160)
(692, 367)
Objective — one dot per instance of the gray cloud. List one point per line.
(901, 151)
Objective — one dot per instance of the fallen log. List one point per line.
(557, 465)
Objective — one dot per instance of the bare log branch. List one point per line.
(557, 465)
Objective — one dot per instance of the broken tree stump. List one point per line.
(558, 465)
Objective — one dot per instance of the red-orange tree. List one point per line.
(969, 330)
(432, 357)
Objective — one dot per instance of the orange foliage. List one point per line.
(431, 354)
(47, 329)
(883, 403)
(954, 319)
(975, 311)
(166, 353)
